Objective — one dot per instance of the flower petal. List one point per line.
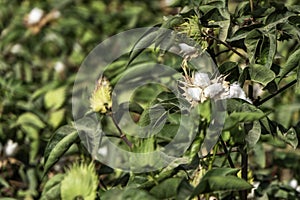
(201, 79)
(194, 93)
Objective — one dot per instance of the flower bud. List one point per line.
(101, 97)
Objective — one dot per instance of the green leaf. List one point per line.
(236, 117)
(242, 33)
(43, 90)
(253, 135)
(261, 74)
(290, 137)
(228, 183)
(220, 172)
(252, 41)
(292, 63)
(127, 194)
(226, 67)
(166, 189)
(51, 189)
(52, 194)
(90, 132)
(29, 118)
(268, 49)
(54, 99)
(144, 42)
(259, 154)
(32, 179)
(184, 190)
(154, 117)
(56, 117)
(61, 141)
(172, 22)
(220, 179)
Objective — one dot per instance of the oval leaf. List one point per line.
(261, 74)
(30, 119)
(61, 141)
(54, 99)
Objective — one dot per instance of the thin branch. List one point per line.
(244, 161)
(227, 153)
(220, 154)
(224, 51)
(228, 46)
(258, 103)
(122, 135)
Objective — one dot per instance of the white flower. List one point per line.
(201, 79)
(35, 16)
(298, 188)
(10, 148)
(257, 90)
(200, 88)
(236, 91)
(16, 49)
(212, 91)
(59, 66)
(194, 93)
(293, 183)
(251, 195)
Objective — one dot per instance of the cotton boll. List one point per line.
(10, 148)
(213, 90)
(194, 93)
(201, 79)
(17, 48)
(35, 16)
(293, 183)
(236, 91)
(59, 67)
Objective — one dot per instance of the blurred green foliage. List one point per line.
(38, 64)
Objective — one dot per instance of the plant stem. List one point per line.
(122, 135)
(228, 46)
(227, 152)
(258, 103)
(244, 154)
(211, 162)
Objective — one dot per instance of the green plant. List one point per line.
(254, 45)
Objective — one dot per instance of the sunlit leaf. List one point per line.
(29, 118)
(54, 99)
(56, 118)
